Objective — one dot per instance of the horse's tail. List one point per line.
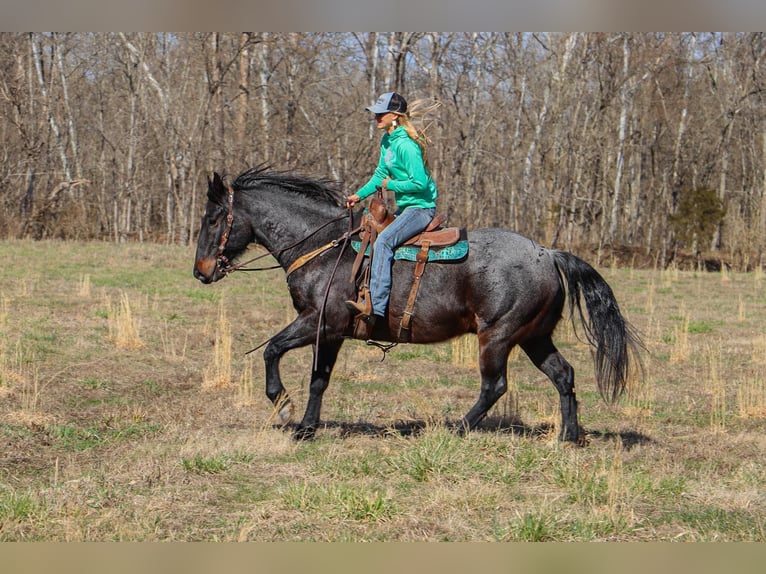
(615, 342)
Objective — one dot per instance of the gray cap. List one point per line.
(389, 102)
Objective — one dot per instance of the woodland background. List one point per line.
(650, 147)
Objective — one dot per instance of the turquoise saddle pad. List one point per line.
(454, 252)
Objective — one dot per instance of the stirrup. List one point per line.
(364, 326)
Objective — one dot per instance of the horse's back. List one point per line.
(510, 255)
(505, 278)
(510, 274)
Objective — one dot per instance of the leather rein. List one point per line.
(226, 267)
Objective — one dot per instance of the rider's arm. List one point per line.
(381, 172)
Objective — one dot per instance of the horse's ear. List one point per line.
(215, 186)
(217, 182)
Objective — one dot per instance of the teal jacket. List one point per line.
(401, 160)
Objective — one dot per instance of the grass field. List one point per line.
(129, 411)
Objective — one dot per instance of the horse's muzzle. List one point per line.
(206, 270)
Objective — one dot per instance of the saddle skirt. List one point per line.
(457, 251)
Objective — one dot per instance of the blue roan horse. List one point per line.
(508, 290)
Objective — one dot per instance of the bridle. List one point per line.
(225, 266)
(222, 262)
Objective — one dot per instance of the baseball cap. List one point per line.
(389, 102)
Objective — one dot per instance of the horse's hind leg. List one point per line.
(493, 365)
(547, 358)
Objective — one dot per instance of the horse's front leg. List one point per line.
(299, 333)
(325, 356)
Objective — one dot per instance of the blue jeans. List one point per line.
(410, 222)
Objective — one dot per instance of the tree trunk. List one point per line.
(264, 72)
(624, 104)
(243, 98)
(46, 101)
(70, 121)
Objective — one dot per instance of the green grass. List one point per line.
(71, 437)
(701, 327)
(199, 464)
(15, 506)
(530, 528)
(95, 383)
(436, 455)
(213, 464)
(711, 524)
(338, 501)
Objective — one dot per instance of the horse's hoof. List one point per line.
(304, 433)
(285, 413)
(462, 429)
(569, 440)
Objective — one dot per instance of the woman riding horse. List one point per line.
(508, 290)
(403, 169)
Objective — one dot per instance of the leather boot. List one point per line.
(363, 308)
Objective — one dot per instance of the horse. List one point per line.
(508, 290)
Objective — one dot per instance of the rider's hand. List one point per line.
(352, 200)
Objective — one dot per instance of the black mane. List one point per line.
(319, 189)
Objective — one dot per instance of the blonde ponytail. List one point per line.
(418, 110)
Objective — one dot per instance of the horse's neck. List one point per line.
(286, 230)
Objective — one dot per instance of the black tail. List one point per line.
(615, 341)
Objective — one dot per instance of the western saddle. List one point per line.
(374, 221)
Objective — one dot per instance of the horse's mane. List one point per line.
(319, 189)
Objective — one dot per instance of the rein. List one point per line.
(226, 267)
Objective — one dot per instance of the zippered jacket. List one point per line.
(401, 160)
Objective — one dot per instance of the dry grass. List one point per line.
(679, 352)
(168, 435)
(717, 387)
(465, 352)
(123, 324)
(85, 287)
(219, 374)
(751, 397)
